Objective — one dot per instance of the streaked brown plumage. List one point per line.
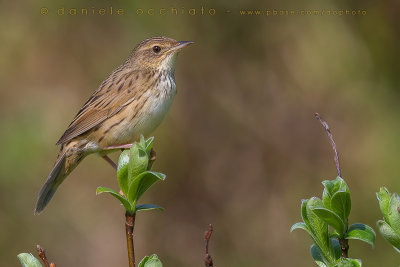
(133, 100)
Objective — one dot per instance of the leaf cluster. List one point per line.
(389, 227)
(134, 177)
(332, 211)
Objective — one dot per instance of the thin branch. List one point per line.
(129, 225)
(207, 235)
(42, 255)
(344, 245)
(328, 132)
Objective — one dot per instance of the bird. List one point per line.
(132, 101)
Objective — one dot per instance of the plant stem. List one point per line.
(207, 235)
(130, 221)
(129, 225)
(344, 245)
(42, 255)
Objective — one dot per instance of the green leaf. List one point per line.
(149, 144)
(148, 207)
(300, 225)
(384, 199)
(341, 204)
(115, 194)
(347, 262)
(393, 214)
(319, 258)
(304, 215)
(28, 260)
(143, 261)
(361, 232)
(316, 255)
(341, 184)
(337, 250)
(319, 229)
(122, 171)
(389, 234)
(142, 141)
(335, 234)
(331, 218)
(330, 188)
(142, 182)
(335, 185)
(153, 261)
(326, 198)
(138, 162)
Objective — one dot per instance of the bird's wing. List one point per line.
(116, 92)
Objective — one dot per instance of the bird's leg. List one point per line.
(152, 158)
(122, 147)
(112, 163)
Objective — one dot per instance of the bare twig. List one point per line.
(328, 131)
(207, 235)
(129, 225)
(42, 255)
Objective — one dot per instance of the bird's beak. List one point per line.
(182, 44)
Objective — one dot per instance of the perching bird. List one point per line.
(133, 100)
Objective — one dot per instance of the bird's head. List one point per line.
(156, 53)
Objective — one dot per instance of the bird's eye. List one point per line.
(156, 49)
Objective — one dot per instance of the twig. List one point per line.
(344, 245)
(129, 225)
(207, 235)
(42, 255)
(328, 131)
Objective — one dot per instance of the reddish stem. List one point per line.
(129, 225)
(207, 235)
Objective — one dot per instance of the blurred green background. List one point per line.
(240, 146)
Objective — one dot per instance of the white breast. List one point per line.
(159, 107)
(153, 113)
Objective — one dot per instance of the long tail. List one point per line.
(56, 177)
